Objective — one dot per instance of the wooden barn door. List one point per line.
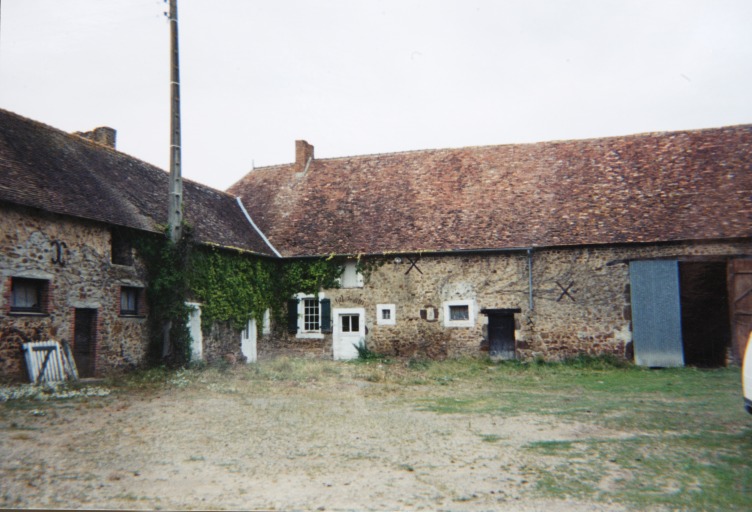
(740, 302)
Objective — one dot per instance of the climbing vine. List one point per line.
(231, 286)
(167, 268)
(235, 287)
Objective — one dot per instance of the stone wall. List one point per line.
(74, 258)
(581, 301)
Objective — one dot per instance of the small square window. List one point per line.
(386, 314)
(130, 298)
(457, 313)
(27, 295)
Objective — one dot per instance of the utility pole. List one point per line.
(175, 212)
(175, 201)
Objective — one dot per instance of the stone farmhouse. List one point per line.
(637, 246)
(69, 207)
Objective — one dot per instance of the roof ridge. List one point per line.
(658, 133)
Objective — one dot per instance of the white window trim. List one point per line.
(392, 308)
(303, 334)
(470, 322)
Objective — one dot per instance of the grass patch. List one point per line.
(702, 471)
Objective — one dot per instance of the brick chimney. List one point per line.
(303, 153)
(103, 135)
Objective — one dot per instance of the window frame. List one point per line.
(392, 309)
(41, 290)
(137, 299)
(447, 309)
(302, 332)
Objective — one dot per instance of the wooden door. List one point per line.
(501, 336)
(85, 341)
(740, 302)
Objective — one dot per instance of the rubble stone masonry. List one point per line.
(581, 300)
(73, 257)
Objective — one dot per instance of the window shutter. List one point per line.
(326, 315)
(292, 315)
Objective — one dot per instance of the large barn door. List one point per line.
(740, 295)
(656, 313)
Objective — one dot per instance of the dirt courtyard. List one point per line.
(339, 441)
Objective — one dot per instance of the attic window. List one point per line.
(351, 278)
(121, 248)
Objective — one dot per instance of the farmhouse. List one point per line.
(70, 210)
(635, 245)
(638, 246)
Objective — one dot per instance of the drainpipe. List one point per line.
(530, 278)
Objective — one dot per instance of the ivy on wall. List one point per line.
(167, 268)
(235, 287)
(231, 286)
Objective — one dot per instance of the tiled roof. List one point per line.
(48, 169)
(689, 185)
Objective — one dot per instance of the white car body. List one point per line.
(747, 375)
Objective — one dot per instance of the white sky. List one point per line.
(373, 76)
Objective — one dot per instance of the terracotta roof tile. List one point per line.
(51, 170)
(690, 185)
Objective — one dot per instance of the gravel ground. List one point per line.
(234, 443)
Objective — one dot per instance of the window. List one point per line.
(308, 316)
(121, 249)
(350, 323)
(386, 314)
(28, 295)
(459, 313)
(130, 300)
(351, 278)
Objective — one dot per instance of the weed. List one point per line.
(365, 354)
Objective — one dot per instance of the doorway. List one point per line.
(85, 341)
(680, 313)
(706, 331)
(349, 332)
(501, 340)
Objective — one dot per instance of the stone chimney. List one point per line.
(103, 135)
(303, 153)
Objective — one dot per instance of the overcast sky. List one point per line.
(373, 76)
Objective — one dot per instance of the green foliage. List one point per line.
(367, 266)
(167, 268)
(233, 287)
(309, 276)
(366, 354)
